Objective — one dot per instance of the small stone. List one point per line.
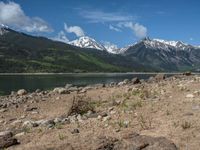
(188, 114)
(126, 123)
(3, 110)
(65, 121)
(34, 112)
(99, 117)
(112, 112)
(106, 118)
(57, 120)
(16, 122)
(160, 77)
(29, 124)
(67, 86)
(189, 96)
(38, 91)
(7, 140)
(104, 114)
(61, 90)
(79, 118)
(30, 108)
(74, 131)
(135, 81)
(20, 134)
(21, 92)
(6, 134)
(46, 123)
(57, 98)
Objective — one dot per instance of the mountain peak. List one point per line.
(87, 42)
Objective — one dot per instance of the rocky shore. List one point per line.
(160, 113)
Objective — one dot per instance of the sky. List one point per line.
(114, 22)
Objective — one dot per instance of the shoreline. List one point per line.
(100, 73)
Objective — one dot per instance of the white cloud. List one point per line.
(74, 29)
(139, 30)
(61, 37)
(100, 16)
(114, 28)
(11, 14)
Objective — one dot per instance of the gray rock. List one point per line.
(3, 110)
(29, 124)
(61, 90)
(21, 92)
(74, 131)
(46, 123)
(7, 140)
(38, 91)
(57, 120)
(73, 89)
(30, 108)
(135, 142)
(135, 81)
(65, 121)
(67, 86)
(160, 77)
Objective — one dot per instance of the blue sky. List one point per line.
(121, 22)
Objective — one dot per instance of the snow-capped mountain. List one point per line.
(170, 55)
(162, 45)
(87, 42)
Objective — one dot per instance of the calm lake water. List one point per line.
(10, 83)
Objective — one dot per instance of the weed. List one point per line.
(186, 125)
(61, 137)
(58, 126)
(81, 105)
(145, 122)
(26, 130)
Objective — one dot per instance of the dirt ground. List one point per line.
(169, 108)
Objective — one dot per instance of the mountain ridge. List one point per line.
(20, 52)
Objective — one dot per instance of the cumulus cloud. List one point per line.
(78, 31)
(11, 14)
(114, 28)
(139, 30)
(61, 37)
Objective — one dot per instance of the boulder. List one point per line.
(135, 141)
(160, 77)
(38, 91)
(29, 124)
(73, 89)
(135, 81)
(61, 90)
(67, 86)
(7, 140)
(47, 123)
(21, 92)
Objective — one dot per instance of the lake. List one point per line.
(31, 82)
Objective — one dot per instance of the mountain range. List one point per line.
(20, 52)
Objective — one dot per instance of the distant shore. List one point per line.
(95, 73)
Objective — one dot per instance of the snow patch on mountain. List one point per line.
(111, 48)
(87, 42)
